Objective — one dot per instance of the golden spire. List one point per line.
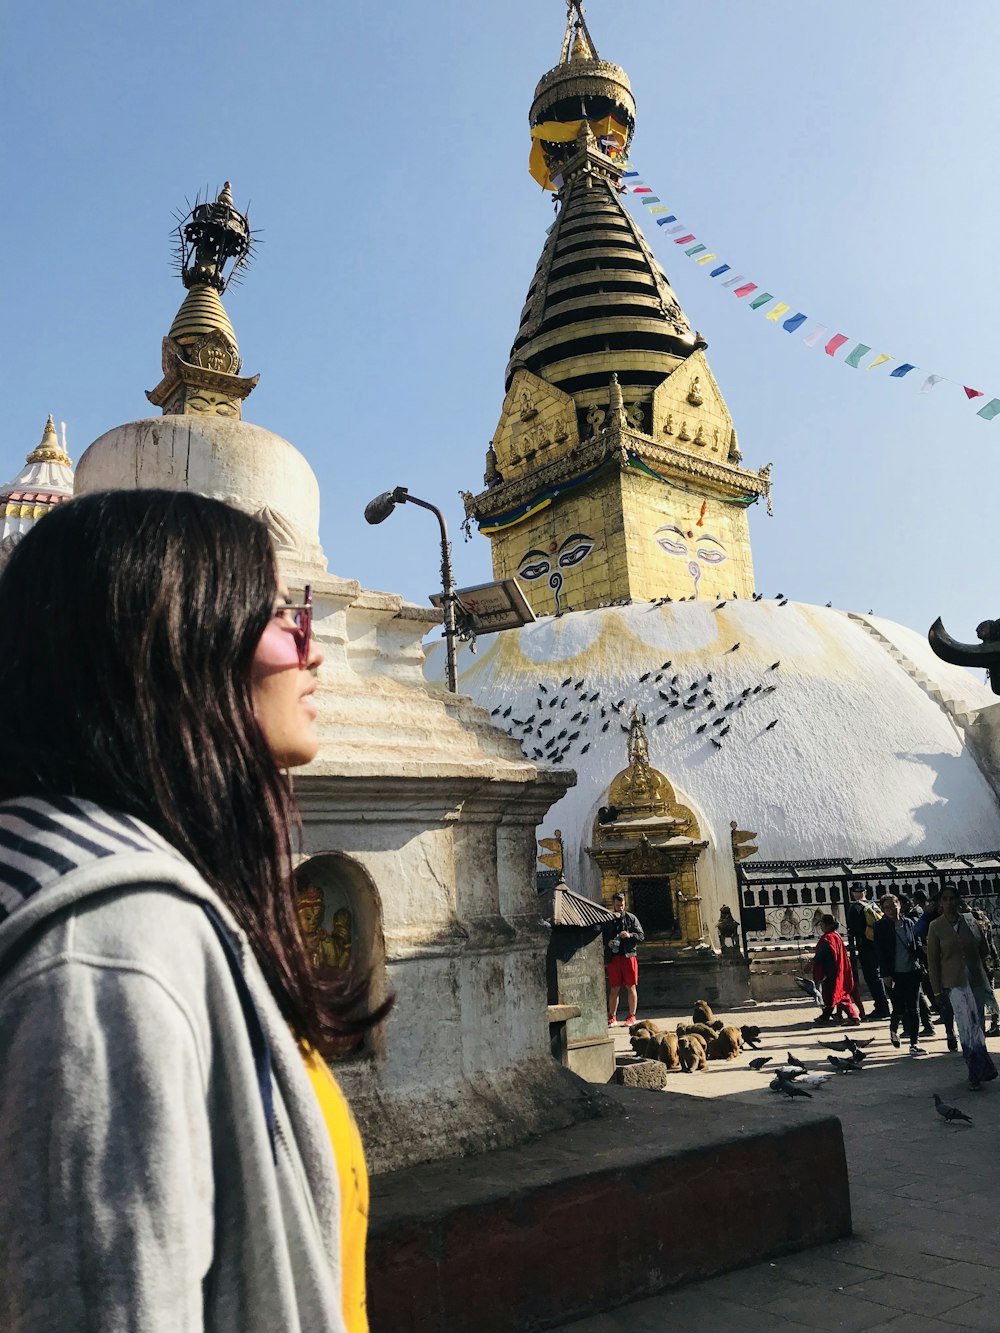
(49, 449)
(581, 51)
(201, 358)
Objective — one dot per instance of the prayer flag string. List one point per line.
(816, 333)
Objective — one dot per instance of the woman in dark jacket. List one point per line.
(899, 960)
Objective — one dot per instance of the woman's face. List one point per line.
(949, 903)
(283, 690)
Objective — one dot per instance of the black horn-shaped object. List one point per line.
(985, 654)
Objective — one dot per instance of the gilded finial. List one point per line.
(49, 450)
(201, 358)
(581, 51)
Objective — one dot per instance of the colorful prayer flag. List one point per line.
(880, 360)
(706, 259)
(779, 310)
(835, 344)
(630, 173)
(641, 189)
(695, 250)
(733, 282)
(662, 222)
(717, 272)
(674, 230)
(653, 199)
(758, 301)
(972, 393)
(990, 410)
(930, 382)
(854, 359)
(660, 208)
(746, 289)
(796, 322)
(902, 370)
(683, 240)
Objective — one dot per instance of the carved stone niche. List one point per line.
(340, 913)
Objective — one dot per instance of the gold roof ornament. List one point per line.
(581, 51)
(49, 450)
(200, 356)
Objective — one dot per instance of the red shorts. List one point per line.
(623, 971)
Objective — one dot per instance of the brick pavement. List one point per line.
(925, 1198)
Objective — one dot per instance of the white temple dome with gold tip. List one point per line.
(201, 442)
(835, 734)
(45, 481)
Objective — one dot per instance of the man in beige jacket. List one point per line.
(956, 954)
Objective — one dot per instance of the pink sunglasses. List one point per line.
(302, 613)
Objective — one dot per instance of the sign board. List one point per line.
(489, 606)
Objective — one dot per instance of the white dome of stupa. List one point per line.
(836, 735)
(45, 481)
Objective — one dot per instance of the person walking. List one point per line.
(956, 952)
(832, 974)
(621, 935)
(899, 965)
(174, 1150)
(990, 968)
(861, 940)
(931, 910)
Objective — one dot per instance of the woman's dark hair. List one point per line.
(828, 922)
(131, 620)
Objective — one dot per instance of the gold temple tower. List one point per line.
(614, 472)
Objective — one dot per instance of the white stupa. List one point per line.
(617, 495)
(45, 481)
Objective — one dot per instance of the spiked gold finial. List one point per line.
(581, 51)
(49, 449)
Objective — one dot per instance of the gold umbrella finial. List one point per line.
(49, 450)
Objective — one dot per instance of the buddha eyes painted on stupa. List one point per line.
(699, 547)
(567, 554)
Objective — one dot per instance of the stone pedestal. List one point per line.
(676, 983)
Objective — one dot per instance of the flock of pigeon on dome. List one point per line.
(716, 714)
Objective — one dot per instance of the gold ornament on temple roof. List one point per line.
(49, 450)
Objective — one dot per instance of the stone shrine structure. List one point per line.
(616, 494)
(419, 816)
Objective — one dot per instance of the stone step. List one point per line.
(666, 1188)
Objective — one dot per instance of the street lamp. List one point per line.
(377, 511)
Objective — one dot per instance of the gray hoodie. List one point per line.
(154, 1176)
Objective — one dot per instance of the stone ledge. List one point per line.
(663, 1190)
(641, 1074)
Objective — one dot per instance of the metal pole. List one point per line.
(447, 586)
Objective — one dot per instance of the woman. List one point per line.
(833, 975)
(956, 951)
(166, 1115)
(898, 961)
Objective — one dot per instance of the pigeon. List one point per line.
(564, 703)
(828, 604)
(717, 744)
(855, 1045)
(778, 596)
(595, 696)
(494, 712)
(720, 606)
(624, 728)
(529, 720)
(561, 734)
(573, 735)
(546, 723)
(585, 719)
(793, 1060)
(843, 1066)
(553, 701)
(663, 694)
(760, 1062)
(774, 665)
(689, 706)
(606, 725)
(788, 1072)
(660, 720)
(666, 666)
(809, 988)
(745, 692)
(845, 1044)
(791, 1089)
(567, 681)
(730, 704)
(724, 730)
(578, 685)
(644, 678)
(700, 729)
(711, 704)
(769, 689)
(783, 602)
(585, 748)
(734, 647)
(771, 725)
(812, 1080)
(576, 716)
(950, 1113)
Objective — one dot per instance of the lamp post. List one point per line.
(377, 511)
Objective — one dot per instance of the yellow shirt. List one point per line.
(349, 1155)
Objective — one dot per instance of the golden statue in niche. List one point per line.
(326, 948)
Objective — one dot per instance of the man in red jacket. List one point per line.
(832, 973)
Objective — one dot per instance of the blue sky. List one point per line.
(841, 156)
